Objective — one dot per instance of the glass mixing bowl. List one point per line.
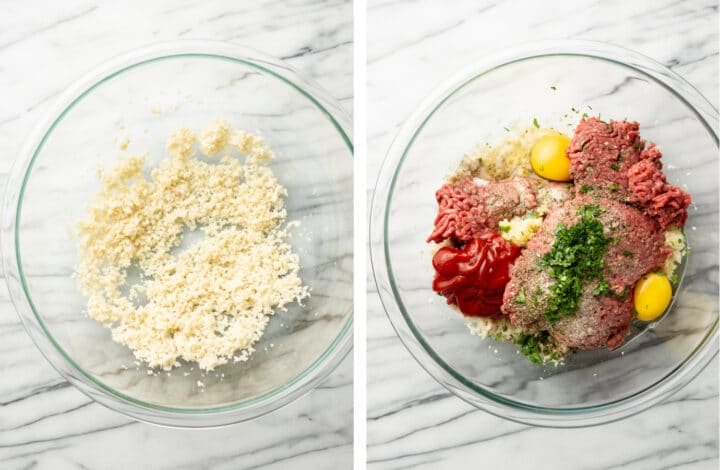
(143, 96)
(545, 82)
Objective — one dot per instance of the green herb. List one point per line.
(535, 123)
(506, 129)
(674, 278)
(480, 160)
(520, 299)
(628, 254)
(575, 259)
(589, 107)
(586, 188)
(576, 111)
(615, 166)
(602, 288)
(613, 186)
(585, 115)
(531, 346)
(553, 88)
(504, 228)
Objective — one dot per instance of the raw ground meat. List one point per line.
(601, 153)
(469, 207)
(662, 201)
(609, 160)
(600, 320)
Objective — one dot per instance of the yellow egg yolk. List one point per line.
(548, 158)
(652, 296)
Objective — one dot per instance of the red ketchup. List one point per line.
(474, 277)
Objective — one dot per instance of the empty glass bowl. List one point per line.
(554, 84)
(142, 97)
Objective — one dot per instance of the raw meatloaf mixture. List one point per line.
(601, 320)
(557, 243)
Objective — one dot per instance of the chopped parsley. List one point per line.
(575, 259)
(531, 346)
(602, 288)
(504, 228)
(553, 88)
(628, 254)
(520, 299)
(615, 166)
(506, 129)
(535, 123)
(613, 187)
(586, 188)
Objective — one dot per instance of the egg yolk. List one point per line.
(548, 158)
(652, 296)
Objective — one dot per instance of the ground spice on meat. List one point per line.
(210, 302)
(600, 155)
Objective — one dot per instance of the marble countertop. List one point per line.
(45, 422)
(413, 422)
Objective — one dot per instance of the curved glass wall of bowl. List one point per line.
(143, 97)
(554, 84)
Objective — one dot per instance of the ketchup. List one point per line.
(474, 276)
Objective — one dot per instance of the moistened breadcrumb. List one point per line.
(507, 158)
(536, 347)
(208, 303)
(215, 139)
(675, 242)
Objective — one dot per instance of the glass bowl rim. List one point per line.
(391, 300)
(20, 296)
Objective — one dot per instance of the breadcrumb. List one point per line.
(210, 302)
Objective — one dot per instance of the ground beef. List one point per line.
(662, 201)
(610, 160)
(469, 207)
(600, 320)
(600, 155)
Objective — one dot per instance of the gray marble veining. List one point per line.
(412, 421)
(45, 422)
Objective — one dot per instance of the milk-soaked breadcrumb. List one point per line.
(210, 302)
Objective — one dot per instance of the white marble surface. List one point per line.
(46, 423)
(412, 421)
